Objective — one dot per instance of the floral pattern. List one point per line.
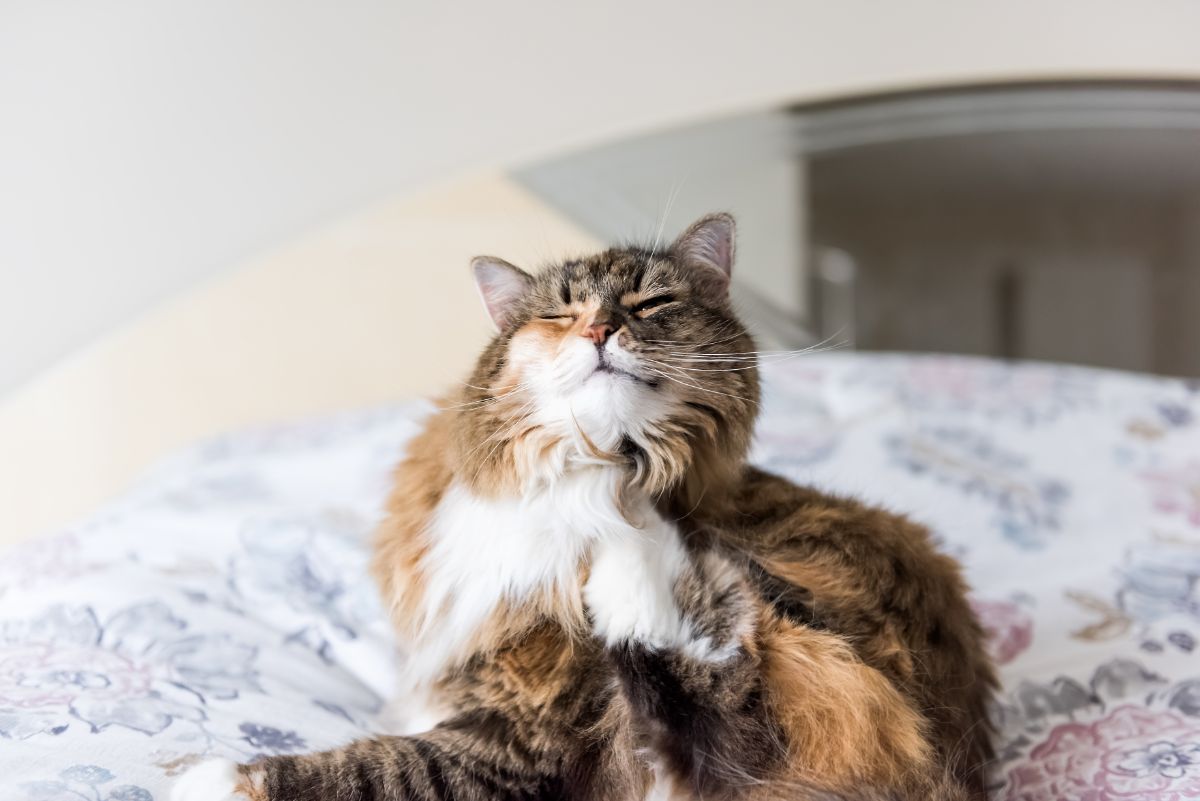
(1177, 489)
(1131, 753)
(221, 608)
(84, 782)
(1009, 628)
(1026, 505)
(141, 670)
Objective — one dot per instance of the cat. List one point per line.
(601, 599)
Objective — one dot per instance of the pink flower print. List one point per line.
(1132, 754)
(1177, 491)
(140, 669)
(40, 674)
(1009, 628)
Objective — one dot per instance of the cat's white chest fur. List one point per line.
(483, 551)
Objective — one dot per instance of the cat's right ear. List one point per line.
(501, 285)
(707, 246)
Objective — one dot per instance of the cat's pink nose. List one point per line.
(598, 332)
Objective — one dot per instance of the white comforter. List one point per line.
(222, 608)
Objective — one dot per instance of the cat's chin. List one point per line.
(609, 405)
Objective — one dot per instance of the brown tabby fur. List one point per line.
(860, 671)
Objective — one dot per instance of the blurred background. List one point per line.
(221, 214)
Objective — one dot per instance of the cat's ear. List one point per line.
(501, 285)
(707, 245)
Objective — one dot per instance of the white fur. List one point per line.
(663, 786)
(214, 780)
(630, 589)
(568, 394)
(484, 551)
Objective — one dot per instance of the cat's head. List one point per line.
(634, 351)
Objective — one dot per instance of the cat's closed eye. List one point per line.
(650, 304)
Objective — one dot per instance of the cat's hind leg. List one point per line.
(444, 765)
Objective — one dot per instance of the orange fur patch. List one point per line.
(840, 587)
(400, 546)
(845, 723)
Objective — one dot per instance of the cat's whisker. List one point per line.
(684, 363)
(708, 369)
(820, 347)
(662, 219)
(709, 343)
(829, 343)
(519, 416)
(731, 771)
(722, 328)
(707, 358)
(693, 385)
(492, 389)
(481, 404)
(501, 436)
(754, 353)
(524, 386)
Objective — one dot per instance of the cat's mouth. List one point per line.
(604, 365)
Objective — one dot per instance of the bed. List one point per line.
(220, 608)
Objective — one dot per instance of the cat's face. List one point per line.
(619, 343)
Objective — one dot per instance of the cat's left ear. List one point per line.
(501, 285)
(707, 246)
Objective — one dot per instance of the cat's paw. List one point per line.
(630, 589)
(214, 780)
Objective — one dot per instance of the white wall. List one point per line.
(147, 144)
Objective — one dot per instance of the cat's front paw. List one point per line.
(214, 780)
(630, 589)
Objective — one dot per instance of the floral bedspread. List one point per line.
(222, 607)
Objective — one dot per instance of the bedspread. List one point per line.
(222, 608)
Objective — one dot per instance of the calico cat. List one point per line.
(602, 600)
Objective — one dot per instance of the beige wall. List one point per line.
(370, 310)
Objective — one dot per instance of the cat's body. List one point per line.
(601, 601)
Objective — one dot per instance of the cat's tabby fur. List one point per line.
(602, 600)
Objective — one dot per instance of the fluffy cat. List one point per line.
(602, 600)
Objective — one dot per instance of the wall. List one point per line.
(148, 146)
(365, 312)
